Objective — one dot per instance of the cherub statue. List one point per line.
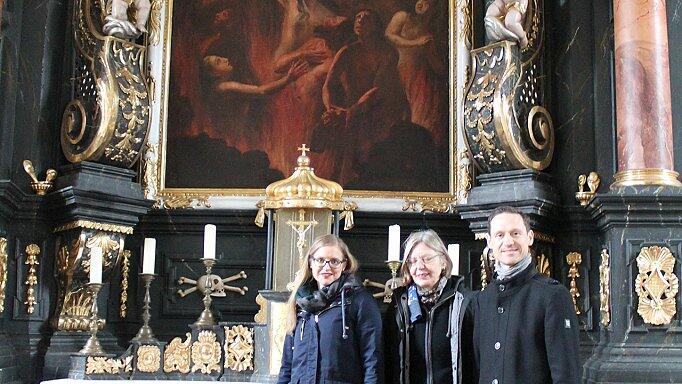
(503, 20)
(117, 23)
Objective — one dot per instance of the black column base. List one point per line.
(630, 350)
(64, 344)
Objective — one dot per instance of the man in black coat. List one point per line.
(526, 329)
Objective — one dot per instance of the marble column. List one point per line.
(643, 100)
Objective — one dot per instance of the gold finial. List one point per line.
(592, 181)
(303, 148)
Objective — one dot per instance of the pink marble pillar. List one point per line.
(643, 102)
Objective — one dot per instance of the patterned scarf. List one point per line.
(504, 272)
(428, 297)
(313, 300)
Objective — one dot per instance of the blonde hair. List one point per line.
(431, 239)
(305, 273)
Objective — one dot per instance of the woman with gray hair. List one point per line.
(429, 327)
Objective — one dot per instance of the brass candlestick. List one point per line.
(92, 346)
(145, 334)
(206, 317)
(393, 283)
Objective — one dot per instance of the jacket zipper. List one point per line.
(429, 320)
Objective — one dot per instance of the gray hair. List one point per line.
(429, 238)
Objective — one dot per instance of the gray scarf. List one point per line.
(504, 272)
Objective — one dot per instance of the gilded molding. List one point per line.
(605, 288)
(176, 356)
(32, 252)
(155, 22)
(656, 285)
(544, 237)
(574, 259)
(262, 316)
(148, 358)
(206, 353)
(185, 201)
(650, 176)
(238, 348)
(98, 365)
(429, 205)
(95, 225)
(3, 272)
(125, 270)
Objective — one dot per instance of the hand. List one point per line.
(334, 117)
(424, 40)
(297, 69)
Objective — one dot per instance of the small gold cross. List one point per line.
(303, 149)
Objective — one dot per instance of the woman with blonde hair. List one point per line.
(333, 324)
(429, 327)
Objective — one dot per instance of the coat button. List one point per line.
(497, 345)
(501, 288)
(500, 310)
(494, 381)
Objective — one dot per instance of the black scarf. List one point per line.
(313, 300)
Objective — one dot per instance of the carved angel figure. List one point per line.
(503, 20)
(117, 23)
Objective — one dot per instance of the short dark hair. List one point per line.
(508, 209)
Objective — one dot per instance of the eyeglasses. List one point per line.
(426, 259)
(320, 262)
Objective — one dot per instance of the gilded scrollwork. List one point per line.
(87, 224)
(429, 205)
(574, 259)
(464, 178)
(98, 365)
(262, 316)
(32, 252)
(656, 285)
(125, 270)
(238, 348)
(108, 117)
(206, 353)
(185, 202)
(605, 288)
(176, 356)
(151, 173)
(148, 358)
(3, 272)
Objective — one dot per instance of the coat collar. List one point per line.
(508, 287)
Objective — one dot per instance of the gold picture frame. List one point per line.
(155, 160)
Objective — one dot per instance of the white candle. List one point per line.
(394, 243)
(149, 255)
(209, 241)
(453, 252)
(96, 265)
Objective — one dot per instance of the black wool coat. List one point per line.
(420, 352)
(526, 332)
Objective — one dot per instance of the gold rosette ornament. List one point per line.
(206, 353)
(656, 285)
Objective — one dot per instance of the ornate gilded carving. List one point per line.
(218, 285)
(150, 179)
(3, 272)
(95, 225)
(97, 365)
(543, 266)
(185, 202)
(73, 266)
(464, 179)
(206, 353)
(108, 118)
(125, 270)
(574, 259)
(176, 356)
(148, 358)
(592, 181)
(155, 22)
(239, 348)
(486, 261)
(32, 252)
(39, 187)
(540, 236)
(301, 227)
(429, 205)
(506, 126)
(605, 288)
(262, 316)
(656, 285)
